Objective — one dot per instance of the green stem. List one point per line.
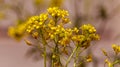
(77, 55)
(44, 55)
(44, 47)
(57, 54)
(117, 61)
(67, 62)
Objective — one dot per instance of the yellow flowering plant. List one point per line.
(109, 61)
(49, 30)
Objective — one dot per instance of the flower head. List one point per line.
(36, 22)
(116, 48)
(88, 29)
(17, 32)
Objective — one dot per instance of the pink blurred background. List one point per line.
(13, 53)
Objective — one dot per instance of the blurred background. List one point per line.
(103, 14)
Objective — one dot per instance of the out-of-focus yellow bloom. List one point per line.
(116, 48)
(38, 2)
(57, 3)
(17, 32)
(2, 15)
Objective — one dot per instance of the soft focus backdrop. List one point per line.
(103, 14)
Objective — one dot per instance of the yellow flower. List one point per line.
(116, 48)
(57, 3)
(2, 15)
(38, 2)
(17, 32)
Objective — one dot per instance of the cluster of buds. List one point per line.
(116, 48)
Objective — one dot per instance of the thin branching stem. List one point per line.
(44, 47)
(70, 57)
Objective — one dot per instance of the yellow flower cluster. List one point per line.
(38, 2)
(109, 61)
(36, 22)
(52, 25)
(88, 34)
(116, 48)
(55, 30)
(17, 32)
(88, 29)
(63, 35)
(49, 26)
(56, 12)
